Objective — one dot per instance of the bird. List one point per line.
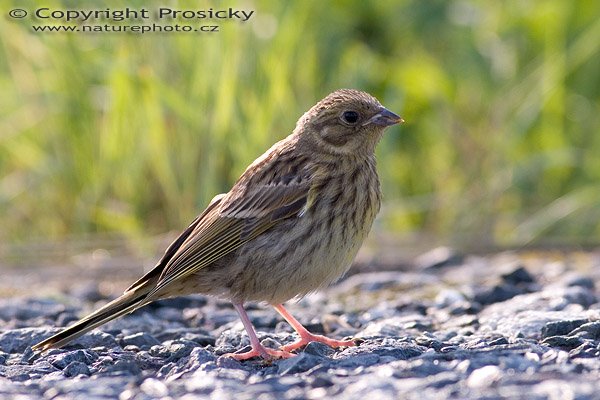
(291, 224)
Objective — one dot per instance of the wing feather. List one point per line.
(156, 272)
(240, 217)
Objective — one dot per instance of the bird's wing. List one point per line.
(156, 272)
(240, 217)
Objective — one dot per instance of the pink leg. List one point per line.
(258, 350)
(305, 336)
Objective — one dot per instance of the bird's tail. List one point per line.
(128, 302)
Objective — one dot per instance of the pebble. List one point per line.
(484, 376)
(76, 368)
(497, 294)
(517, 332)
(142, 340)
(518, 276)
(563, 327)
(62, 360)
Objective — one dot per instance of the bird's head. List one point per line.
(346, 122)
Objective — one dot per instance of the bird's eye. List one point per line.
(350, 117)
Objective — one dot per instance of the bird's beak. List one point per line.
(384, 118)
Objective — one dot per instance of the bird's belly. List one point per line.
(297, 257)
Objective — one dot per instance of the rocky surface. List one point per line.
(503, 326)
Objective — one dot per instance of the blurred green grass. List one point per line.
(134, 134)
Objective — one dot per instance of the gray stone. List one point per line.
(318, 349)
(141, 340)
(399, 353)
(565, 342)
(120, 368)
(63, 359)
(192, 301)
(556, 328)
(497, 294)
(320, 381)
(202, 339)
(518, 276)
(421, 336)
(179, 349)
(579, 295)
(590, 330)
(76, 368)
(586, 350)
(154, 388)
(17, 340)
(301, 363)
(365, 359)
(27, 309)
(95, 339)
(583, 281)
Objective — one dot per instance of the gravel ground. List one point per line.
(502, 326)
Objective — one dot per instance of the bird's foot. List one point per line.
(309, 337)
(261, 351)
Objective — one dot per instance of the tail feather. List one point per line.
(128, 302)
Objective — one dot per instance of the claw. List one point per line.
(305, 336)
(306, 339)
(263, 352)
(258, 350)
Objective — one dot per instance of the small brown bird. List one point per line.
(292, 223)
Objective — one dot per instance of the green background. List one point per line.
(133, 134)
